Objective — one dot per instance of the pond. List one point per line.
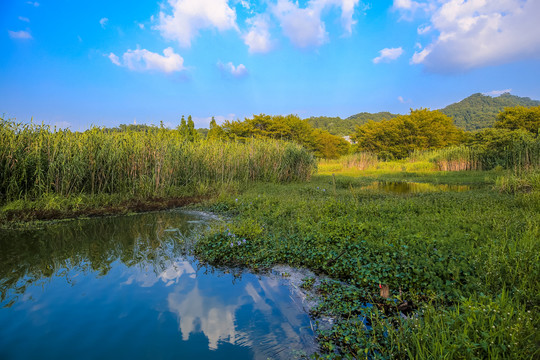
(402, 187)
(123, 287)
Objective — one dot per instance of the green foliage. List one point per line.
(520, 118)
(399, 137)
(290, 128)
(345, 127)
(192, 134)
(480, 111)
(35, 161)
(216, 132)
(453, 254)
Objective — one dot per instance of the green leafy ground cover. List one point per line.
(467, 263)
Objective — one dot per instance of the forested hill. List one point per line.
(480, 111)
(343, 127)
(477, 111)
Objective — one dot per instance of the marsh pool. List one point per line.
(123, 287)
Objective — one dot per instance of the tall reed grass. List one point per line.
(523, 155)
(36, 160)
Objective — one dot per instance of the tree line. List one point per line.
(391, 138)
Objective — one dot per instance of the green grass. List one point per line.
(451, 253)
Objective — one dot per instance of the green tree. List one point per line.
(398, 137)
(183, 128)
(289, 128)
(215, 132)
(191, 134)
(519, 118)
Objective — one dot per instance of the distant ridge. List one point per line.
(344, 127)
(480, 111)
(475, 112)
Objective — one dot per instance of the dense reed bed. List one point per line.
(36, 160)
(518, 156)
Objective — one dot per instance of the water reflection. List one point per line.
(413, 187)
(126, 284)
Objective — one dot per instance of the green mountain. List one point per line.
(480, 111)
(343, 127)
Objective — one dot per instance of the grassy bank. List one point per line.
(45, 171)
(463, 265)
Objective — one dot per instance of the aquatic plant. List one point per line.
(442, 256)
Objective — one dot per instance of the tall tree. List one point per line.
(398, 137)
(520, 118)
(183, 128)
(192, 134)
(290, 128)
(215, 132)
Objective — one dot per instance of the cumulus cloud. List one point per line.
(103, 22)
(187, 17)
(498, 92)
(304, 26)
(388, 54)
(21, 34)
(258, 37)
(478, 33)
(230, 70)
(144, 60)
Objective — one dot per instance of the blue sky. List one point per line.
(72, 63)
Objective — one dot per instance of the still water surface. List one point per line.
(402, 187)
(122, 287)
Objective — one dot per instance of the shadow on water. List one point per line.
(401, 187)
(125, 286)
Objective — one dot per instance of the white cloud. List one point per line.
(418, 57)
(103, 22)
(188, 17)
(498, 92)
(408, 8)
(140, 25)
(401, 100)
(25, 19)
(304, 26)
(388, 54)
(235, 71)
(258, 37)
(144, 60)
(418, 46)
(21, 34)
(423, 29)
(114, 59)
(33, 3)
(478, 33)
(245, 4)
